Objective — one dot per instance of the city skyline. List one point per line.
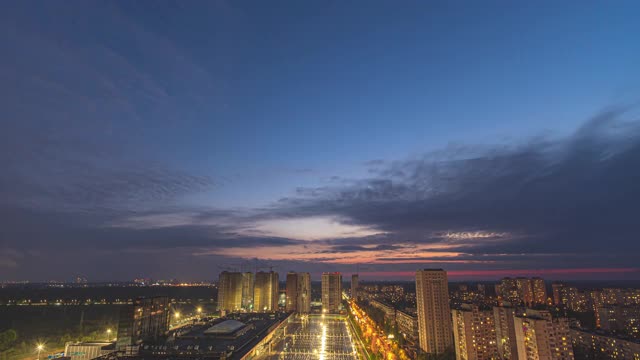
(174, 141)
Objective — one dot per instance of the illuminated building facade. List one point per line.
(507, 291)
(557, 290)
(521, 290)
(539, 290)
(147, 319)
(265, 292)
(331, 292)
(601, 346)
(434, 314)
(354, 286)
(541, 337)
(247, 291)
(503, 318)
(620, 319)
(407, 326)
(525, 290)
(298, 292)
(474, 333)
(230, 288)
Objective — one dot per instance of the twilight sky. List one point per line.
(176, 139)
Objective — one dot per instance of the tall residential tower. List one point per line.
(434, 315)
(331, 292)
(298, 296)
(265, 293)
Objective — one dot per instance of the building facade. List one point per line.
(331, 292)
(434, 314)
(298, 292)
(620, 319)
(556, 288)
(265, 292)
(147, 319)
(230, 289)
(503, 318)
(594, 345)
(474, 333)
(247, 291)
(539, 290)
(541, 337)
(407, 326)
(87, 350)
(354, 286)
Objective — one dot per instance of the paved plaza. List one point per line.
(314, 337)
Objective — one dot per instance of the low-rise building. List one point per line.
(407, 326)
(88, 350)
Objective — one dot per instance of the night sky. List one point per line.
(177, 139)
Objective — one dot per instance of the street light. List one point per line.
(108, 335)
(39, 347)
(177, 315)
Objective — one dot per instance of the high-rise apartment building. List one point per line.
(298, 292)
(620, 319)
(230, 289)
(522, 290)
(331, 292)
(265, 292)
(525, 290)
(247, 291)
(612, 296)
(291, 286)
(507, 291)
(474, 333)
(147, 319)
(434, 315)
(354, 286)
(503, 317)
(557, 289)
(541, 337)
(539, 290)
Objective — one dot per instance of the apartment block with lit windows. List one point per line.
(474, 333)
(541, 337)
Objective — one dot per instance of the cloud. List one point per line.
(574, 195)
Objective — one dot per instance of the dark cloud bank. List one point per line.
(549, 203)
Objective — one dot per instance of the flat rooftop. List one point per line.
(225, 327)
(200, 340)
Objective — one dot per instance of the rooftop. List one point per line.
(225, 327)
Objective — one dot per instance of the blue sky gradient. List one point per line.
(261, 122)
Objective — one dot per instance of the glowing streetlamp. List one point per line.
(108, 335)
(39, 347)
(177, 315)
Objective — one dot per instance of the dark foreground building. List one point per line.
(147, 319)
(236, 337)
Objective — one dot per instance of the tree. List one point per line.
(7, 340)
